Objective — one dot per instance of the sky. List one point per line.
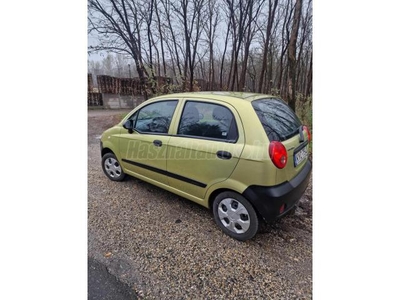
(97, 56)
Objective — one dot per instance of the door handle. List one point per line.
(224, 155)
(157, 143)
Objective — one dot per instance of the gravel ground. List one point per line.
(166, 247)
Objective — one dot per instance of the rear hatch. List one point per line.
(281, 124)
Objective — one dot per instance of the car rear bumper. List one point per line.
(268, 200)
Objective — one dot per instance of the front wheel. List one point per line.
(112, 168)
(235, 216)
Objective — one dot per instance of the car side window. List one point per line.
(208, 120)
(155, 117)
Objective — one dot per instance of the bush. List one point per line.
(304, 111)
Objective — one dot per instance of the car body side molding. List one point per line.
(164, 172)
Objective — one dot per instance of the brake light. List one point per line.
(308, 132)
(278, 154)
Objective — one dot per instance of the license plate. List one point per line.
(300, 156)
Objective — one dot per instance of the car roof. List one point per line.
(218, 95)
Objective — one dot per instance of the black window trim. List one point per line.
(203, 137)
(206, 138)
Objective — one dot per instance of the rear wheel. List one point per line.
(112, 168)
(235, 216)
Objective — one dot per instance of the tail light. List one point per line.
(278, 154)
(308, 132)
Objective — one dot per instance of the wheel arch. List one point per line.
(106, 150)
(214, 194)
(223, 186)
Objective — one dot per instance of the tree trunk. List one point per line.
(168, 14)
(223, 56)
(309, 78)
(284, 46)
(161, 41)
(271, 16)
(269, 73)
(292, 55)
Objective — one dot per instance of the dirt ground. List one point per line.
(165, 247)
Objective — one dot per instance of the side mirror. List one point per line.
(128, 125)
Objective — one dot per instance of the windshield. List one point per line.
(278, 119)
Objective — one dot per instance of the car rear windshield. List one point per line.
(278, 119)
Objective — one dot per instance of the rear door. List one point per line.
(281, 124)
(207, 146)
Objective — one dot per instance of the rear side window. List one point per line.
(208, 120)
(277, 118)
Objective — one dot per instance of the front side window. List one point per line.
(208, 120)
(155, 117)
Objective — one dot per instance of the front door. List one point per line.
(144, 151)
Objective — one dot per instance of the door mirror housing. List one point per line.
(128, 125)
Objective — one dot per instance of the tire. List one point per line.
(112, 167)
(235, 216)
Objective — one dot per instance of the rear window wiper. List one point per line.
(293, 133)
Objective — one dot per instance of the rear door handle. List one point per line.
(224, 155)
(157, 143)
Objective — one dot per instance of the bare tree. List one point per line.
(147, 11)
(309, 78)
(285, 33)
(250, 30)
(292, 54)
(213, 16)
(174, 47)
(246, 45)
(190, 16)
(161, 37)
(115, 22)
(221, 85)
(237, 13)
(304, 48)
(271, 16)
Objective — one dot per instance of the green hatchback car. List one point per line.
(243, 155)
